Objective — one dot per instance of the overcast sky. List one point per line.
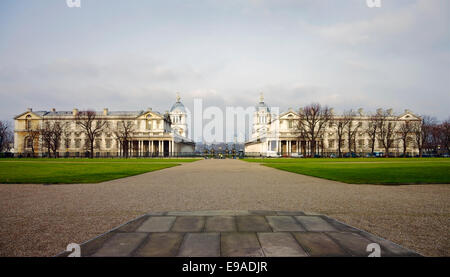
(134, 54)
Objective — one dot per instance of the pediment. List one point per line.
(151, 115)
(24, 115)
(408, 116)
(289, 115)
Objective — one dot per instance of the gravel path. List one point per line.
(38, 220)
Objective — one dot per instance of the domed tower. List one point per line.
(261, 118)
(178, 118)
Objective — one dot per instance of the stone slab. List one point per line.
(289, 213)
(254, 223)
(200, 245)
(352, 242)
(240, 245)
(284, 224)
(280, 245)
(132, 225)
(220, 224)
(120, 245)
(160, 245)
(208, 213)
(188, 224)
(319, 245)
(315, 224)
(157, 224)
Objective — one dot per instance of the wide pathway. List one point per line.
(39, 220)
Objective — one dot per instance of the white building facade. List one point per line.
(275, 135)
(153, 134)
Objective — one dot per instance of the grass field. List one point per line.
(389, 171)
(73, 171)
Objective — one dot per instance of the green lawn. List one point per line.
(389, 171)
(73, 171)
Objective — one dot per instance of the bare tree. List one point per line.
(386, 132)
(92, 127)
(351, 129)
(52, 132)
(341, 124)
(46, 136)
(422, 132)
(123, 134)
(6, 136)
(404, 131)
(435, 138)
(311, 123)
(33, 134)
(445, 137)
(372, 130)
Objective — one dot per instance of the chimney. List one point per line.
(105, 111)
(331, 111)
(390, 112)
(53, 110)
(75, 112)
(29, 109)
(361, 111)
(407, 111)
(149, 109)
(379, 111)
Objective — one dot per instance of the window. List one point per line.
(360, 124)
(149, 122)
(67, 143)
(380, 144)
(361, 143)
(77, 143)
(29, 143)
(331, 143)
(108, 143)
(28, 122)
(98, 142)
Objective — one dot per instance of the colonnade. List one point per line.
(141, 148)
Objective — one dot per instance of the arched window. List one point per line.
(28, 122)
(149, 122)
(290, 121)
(28, 142)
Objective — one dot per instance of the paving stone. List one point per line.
(188, 224)
(157, 213)
(339, 225)
(120, 245)
(352, 242)
(160, 245)
(315, 224)
(220, 224)
(90, 247)
(319, 245)
(200, 245)
(132, 225)
(254, 223)
(240, 245)
(289, 213)
(157, 224)
(311, 213)
(208, 213)
(280, 245)
(260, 212)
(284, 224)
(389, 248)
